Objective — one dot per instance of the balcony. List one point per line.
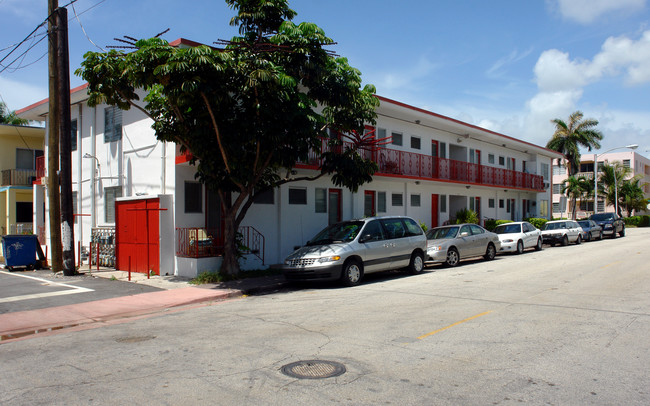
(18, 177)
(412, 165)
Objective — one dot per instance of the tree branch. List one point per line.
(216, 131)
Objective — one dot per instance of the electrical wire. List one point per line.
(82, 27)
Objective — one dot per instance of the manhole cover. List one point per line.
(313, 369)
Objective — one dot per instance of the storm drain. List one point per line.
(313, 369)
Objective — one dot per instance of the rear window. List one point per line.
(508, 229)
(412, 227)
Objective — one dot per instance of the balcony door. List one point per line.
(334, 206)
(435, 198)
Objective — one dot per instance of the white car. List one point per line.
(562, 232)
(518, 236)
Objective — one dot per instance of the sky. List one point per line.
(510, 66)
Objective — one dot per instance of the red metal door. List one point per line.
(434, 209)
(137, 235)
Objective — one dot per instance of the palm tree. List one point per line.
(10, 117)
(576, 189)
(569, 137)
(631, 196)
(612, 178)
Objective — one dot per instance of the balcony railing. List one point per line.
(410, 164)
(18, 177)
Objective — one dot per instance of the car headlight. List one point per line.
(608, 225)
(333, 258)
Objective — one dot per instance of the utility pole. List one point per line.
(53, 140)
(65, 130)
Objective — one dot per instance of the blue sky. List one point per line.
(507, 65)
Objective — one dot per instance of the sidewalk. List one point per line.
(176, 292)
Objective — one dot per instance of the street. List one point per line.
(566, 325)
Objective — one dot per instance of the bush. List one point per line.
(537, 222)
(490, 224)
(645, 221)
(633, 221)
(466, 216)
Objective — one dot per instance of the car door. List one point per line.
(374, 243)
(481, 239)
(530, 236)
(466, 242)
(398, 242)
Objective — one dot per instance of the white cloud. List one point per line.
(588, 11)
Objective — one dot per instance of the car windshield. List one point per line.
(337, 233)
(508, 229)
(442, 232)
(584, 223)
(602, 216)
(554, 226)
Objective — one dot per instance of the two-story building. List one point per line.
(21, 156)
(167, 222)
(638, 164)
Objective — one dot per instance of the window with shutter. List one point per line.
(110, 194)
(112, 124)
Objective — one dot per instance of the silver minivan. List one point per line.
(347, 250)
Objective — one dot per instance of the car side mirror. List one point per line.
(464, 234)
(365, 238)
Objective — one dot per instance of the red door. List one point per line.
(434, 210)
(137, 235)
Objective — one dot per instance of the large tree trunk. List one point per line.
(230, 264)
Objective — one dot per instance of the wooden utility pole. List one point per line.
(65, 132)
(53, 193)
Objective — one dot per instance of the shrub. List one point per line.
(645, 221)
(537, 222)
(423, 226)
(633, 221)
(466, 216)
(490, 224)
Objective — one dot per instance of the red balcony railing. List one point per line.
(403, 163)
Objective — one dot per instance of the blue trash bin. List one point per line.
(22, 250)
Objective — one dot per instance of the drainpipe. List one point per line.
(163, 169)
(93, 149)
(80, 219)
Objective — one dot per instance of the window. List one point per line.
(24, 159)
(559, 170)
(443, 204)
(415, 200)
(320, 200)
(501, 204)
(394, 228)
(491, 159)
(557, 188)
(626, 163)
(416, 142)
(112, 124)
(397, 199)
(265, 197)
(110, 194)
(73, 135)
(297, 196)
(397, 138)
(584, 167)
(374, 231)
(545, 168)
(491, 203)
(193, 197)
(443, 150)
(502, 161)
(24, 212)
(508, 206)
(543, 208)
(381, 202)
(412, 228)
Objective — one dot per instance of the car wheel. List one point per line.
(416, 265)
(579, 240)
(538, 247)
(520, 247)
(491, 252)
(565, 241)
(622, 233)
(589, 237)
(600, 235)
(352, 273)
(452, 257)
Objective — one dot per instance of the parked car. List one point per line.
(450, 244)
(611, 224)
(350, 249)
(590, 230)
(517, 236)
(561, 232)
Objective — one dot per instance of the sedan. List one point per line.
(450, 244)
(516, 237)
(561, 232)
(590, 230)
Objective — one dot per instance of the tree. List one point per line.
(610, 181)
(10, 117)
(569, 137)
(250, 111)
(631, 196)
(576, 189)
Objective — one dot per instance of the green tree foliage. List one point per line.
(10, 117)
(576, 188)
(610, 181)
(631, 196)
(466, 216)
(250, 111)
(570, 136)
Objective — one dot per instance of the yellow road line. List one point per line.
(453, 325)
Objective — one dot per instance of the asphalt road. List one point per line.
(563, 326)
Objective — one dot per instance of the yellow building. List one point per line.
(21, 160)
